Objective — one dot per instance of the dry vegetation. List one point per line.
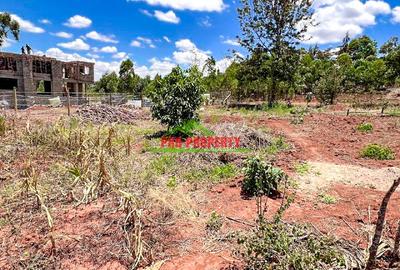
(82, 193)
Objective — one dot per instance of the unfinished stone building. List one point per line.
(25, 72)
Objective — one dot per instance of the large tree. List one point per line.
(275, 27)
(128, 80)
(8, 26)
(362, 47)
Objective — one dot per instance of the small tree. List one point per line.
(177, 97)
(329, 86)
(108, 83)
(261, 178)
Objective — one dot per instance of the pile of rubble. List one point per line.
(102, 113)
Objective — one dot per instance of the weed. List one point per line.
(171, 183)
(214, 223)
(278, 144)
(261, 178)
(377, 152)
(277, 245)
(365, 127)
(327, 199)
(223, 172)
(279, 109)
(302, 168)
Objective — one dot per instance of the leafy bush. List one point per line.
(214, 223)
(261, 178)
(378, 152)
(365, 127)
(177, 97)
(278, 245)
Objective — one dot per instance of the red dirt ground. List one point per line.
(90, 238)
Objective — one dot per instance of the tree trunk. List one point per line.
(271, 94)
(373, 250)
(396, 255)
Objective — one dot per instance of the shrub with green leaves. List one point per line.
(378, 152)
(261, 178)
(365, 127)
(177, 97)
(278, 245)
(214, 223)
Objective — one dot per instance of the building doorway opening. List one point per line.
(8, 84)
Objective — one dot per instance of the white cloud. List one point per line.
(136, 43)
(194, 5)
(140, 42)
(63, 35)
(396, 14)
(93, 55)
(169, 17)
(78, 21)
(27, 26)
(167, 39)
(205, 22)
(223, 64)
(162, 68)
(146, 12)
(109, 49)
(377, 7)
(45, 21)
(7, 43)
(120, 55)
(189, 54)
(77, 44)
(100, 37)
(232, 42)
(335, 18)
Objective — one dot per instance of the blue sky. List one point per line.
(159, 34)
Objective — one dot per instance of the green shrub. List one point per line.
(214, 223)
(302, 168)
(261, 178)
(223, 172)
(281, 246)
(378, 152)
(177, 97)
(365, 127)
(327, 199)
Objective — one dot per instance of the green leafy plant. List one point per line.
(365, 127)
(277, 245)
(223, 172)
(302, 168)
(214, 223)
(378, 152)
(327, 199)
(177, 97)
(172, 183)
(261, 178)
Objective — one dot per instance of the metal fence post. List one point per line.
(15, 99)
(68, 103)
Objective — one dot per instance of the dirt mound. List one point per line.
(102, 113)
(249, 138)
